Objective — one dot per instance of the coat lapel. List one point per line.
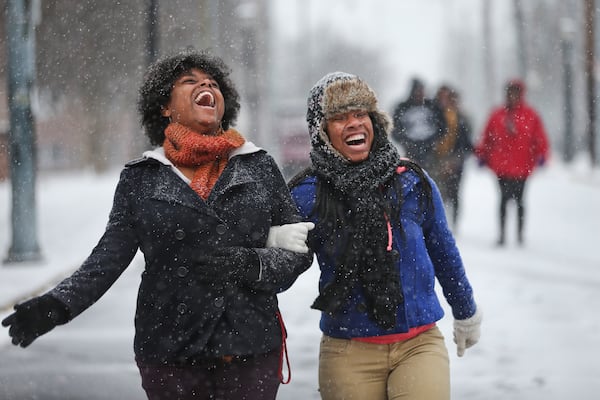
(174, 190)
(233, 175)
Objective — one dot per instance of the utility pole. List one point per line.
(152, 32)
(595, 138)
(488, 53)
(521, 38)
(590, 77)
(247, 21)
(21, 73)
(567, 29)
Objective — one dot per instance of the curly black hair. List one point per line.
(155, 91)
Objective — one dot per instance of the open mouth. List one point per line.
(356, 139)
(205, 99)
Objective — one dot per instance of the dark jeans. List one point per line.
(450, 177)
(252, 377)
(512, 189)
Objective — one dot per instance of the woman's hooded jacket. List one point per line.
(359, 295)
(178, 317)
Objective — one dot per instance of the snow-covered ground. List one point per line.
(540, 333)
(540, 301)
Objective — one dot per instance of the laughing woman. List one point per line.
(199, 207)
(382, 240)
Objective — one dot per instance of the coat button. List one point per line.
(221, 229)
(179, 234)
(182, 272)
(219, 301)
(181, 308)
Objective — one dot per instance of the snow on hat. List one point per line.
(336, 93)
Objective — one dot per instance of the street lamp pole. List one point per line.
(567, 26)
(595, 136)
(152, 29)
(590, 55)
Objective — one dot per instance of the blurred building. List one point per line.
(91, 56)
(90, 59)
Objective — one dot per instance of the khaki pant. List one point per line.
(416, 369)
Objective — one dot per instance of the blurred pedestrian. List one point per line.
(381, 241)
(452, 150)
(418, 125)
(512, 144)
(199, 207)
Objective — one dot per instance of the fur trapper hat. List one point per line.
(340, 92)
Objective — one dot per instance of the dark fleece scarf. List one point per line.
(362, 257)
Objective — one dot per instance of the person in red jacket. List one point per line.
(512, 144)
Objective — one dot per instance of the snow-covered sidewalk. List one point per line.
(72, 212)
(540, 301)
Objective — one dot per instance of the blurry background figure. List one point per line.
(452, 150)
(512, 144)
(418, 125)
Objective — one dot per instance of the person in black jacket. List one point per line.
(200, 208)
(418, 124)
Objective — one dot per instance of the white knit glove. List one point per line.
(467, 332)
(290, 236)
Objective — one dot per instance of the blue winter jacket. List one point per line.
(427, 251)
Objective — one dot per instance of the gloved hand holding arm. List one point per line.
(290, 236)
(467, 332)
(34, 318)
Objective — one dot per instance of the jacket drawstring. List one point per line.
(389, 232)
(400, 169)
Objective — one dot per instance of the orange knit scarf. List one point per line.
(208, 154)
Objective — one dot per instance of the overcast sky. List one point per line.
(411, 30)
(412, 34)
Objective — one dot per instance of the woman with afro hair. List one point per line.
(200, 207)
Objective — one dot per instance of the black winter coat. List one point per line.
(417, 127)
(179, 319)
